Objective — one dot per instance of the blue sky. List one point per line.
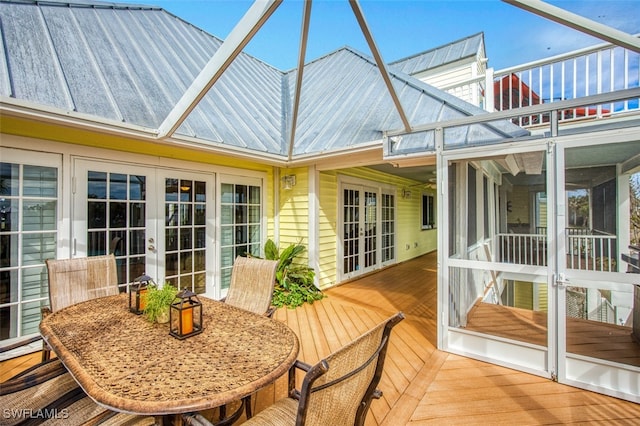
(402, 28)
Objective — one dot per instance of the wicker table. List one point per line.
(130, 365)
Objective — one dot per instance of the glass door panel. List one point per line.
(598, 298)
(351, 230)
(498, 300)
(388, 222)
(241, 223)
(185, 232)
(29, 219)
(370, 229)
(360, 227)
(116, 220)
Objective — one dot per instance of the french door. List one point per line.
(155, 221)
(360, 217)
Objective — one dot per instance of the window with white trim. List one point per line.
(428, 212)
(28, 236)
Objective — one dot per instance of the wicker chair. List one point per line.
(48, 390)
(77, 280)
(252, 282)
(251, 288)
(339, 388)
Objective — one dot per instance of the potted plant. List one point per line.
(294, 282)
(158, 301)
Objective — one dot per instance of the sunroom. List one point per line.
(535, 250)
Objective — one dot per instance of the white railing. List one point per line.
(599, 69)
(584, 252)
(522, 249)
(591, 252)
(605, 312)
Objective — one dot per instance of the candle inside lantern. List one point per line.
(142, 294)
(187, 320)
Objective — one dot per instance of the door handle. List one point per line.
(561, 280)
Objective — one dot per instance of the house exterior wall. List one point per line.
(456, 75)
(293, 211)
(410, 240)
(133, 154)
(328, 229)
(288, 222)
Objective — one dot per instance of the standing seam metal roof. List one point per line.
(131, 64)
(464, 48)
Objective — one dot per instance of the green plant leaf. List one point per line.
(271, 250)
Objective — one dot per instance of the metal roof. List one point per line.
(467, 47)
(131, 64)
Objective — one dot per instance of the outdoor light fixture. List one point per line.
(288, 181)
(185, 315)
(138, 294)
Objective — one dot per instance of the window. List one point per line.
(241, 225)
(28, 236)
(388, 227)
(428, 212)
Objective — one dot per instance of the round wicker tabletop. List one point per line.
(131, 365)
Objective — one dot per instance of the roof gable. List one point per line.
(455, 51)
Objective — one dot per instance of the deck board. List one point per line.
(422, 385)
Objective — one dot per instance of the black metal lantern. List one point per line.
(185, 315)
(138, 294)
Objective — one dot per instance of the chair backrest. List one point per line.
(77, 280)
(339, 389)
(252, 282)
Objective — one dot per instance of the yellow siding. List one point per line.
(543, 298)
(293, 205)
(327, 230)
(523, 295)
(294, 211)
(38, 130)
(46, 131)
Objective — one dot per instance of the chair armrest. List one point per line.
(298, 365)
(301, 365)
(45, 310)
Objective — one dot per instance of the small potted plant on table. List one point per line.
(158, 302)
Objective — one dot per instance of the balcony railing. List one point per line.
(599, 69)
(593, 252)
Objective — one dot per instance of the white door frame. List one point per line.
(154, 220)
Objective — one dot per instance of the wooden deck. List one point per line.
(421, 384)
(584, 337)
